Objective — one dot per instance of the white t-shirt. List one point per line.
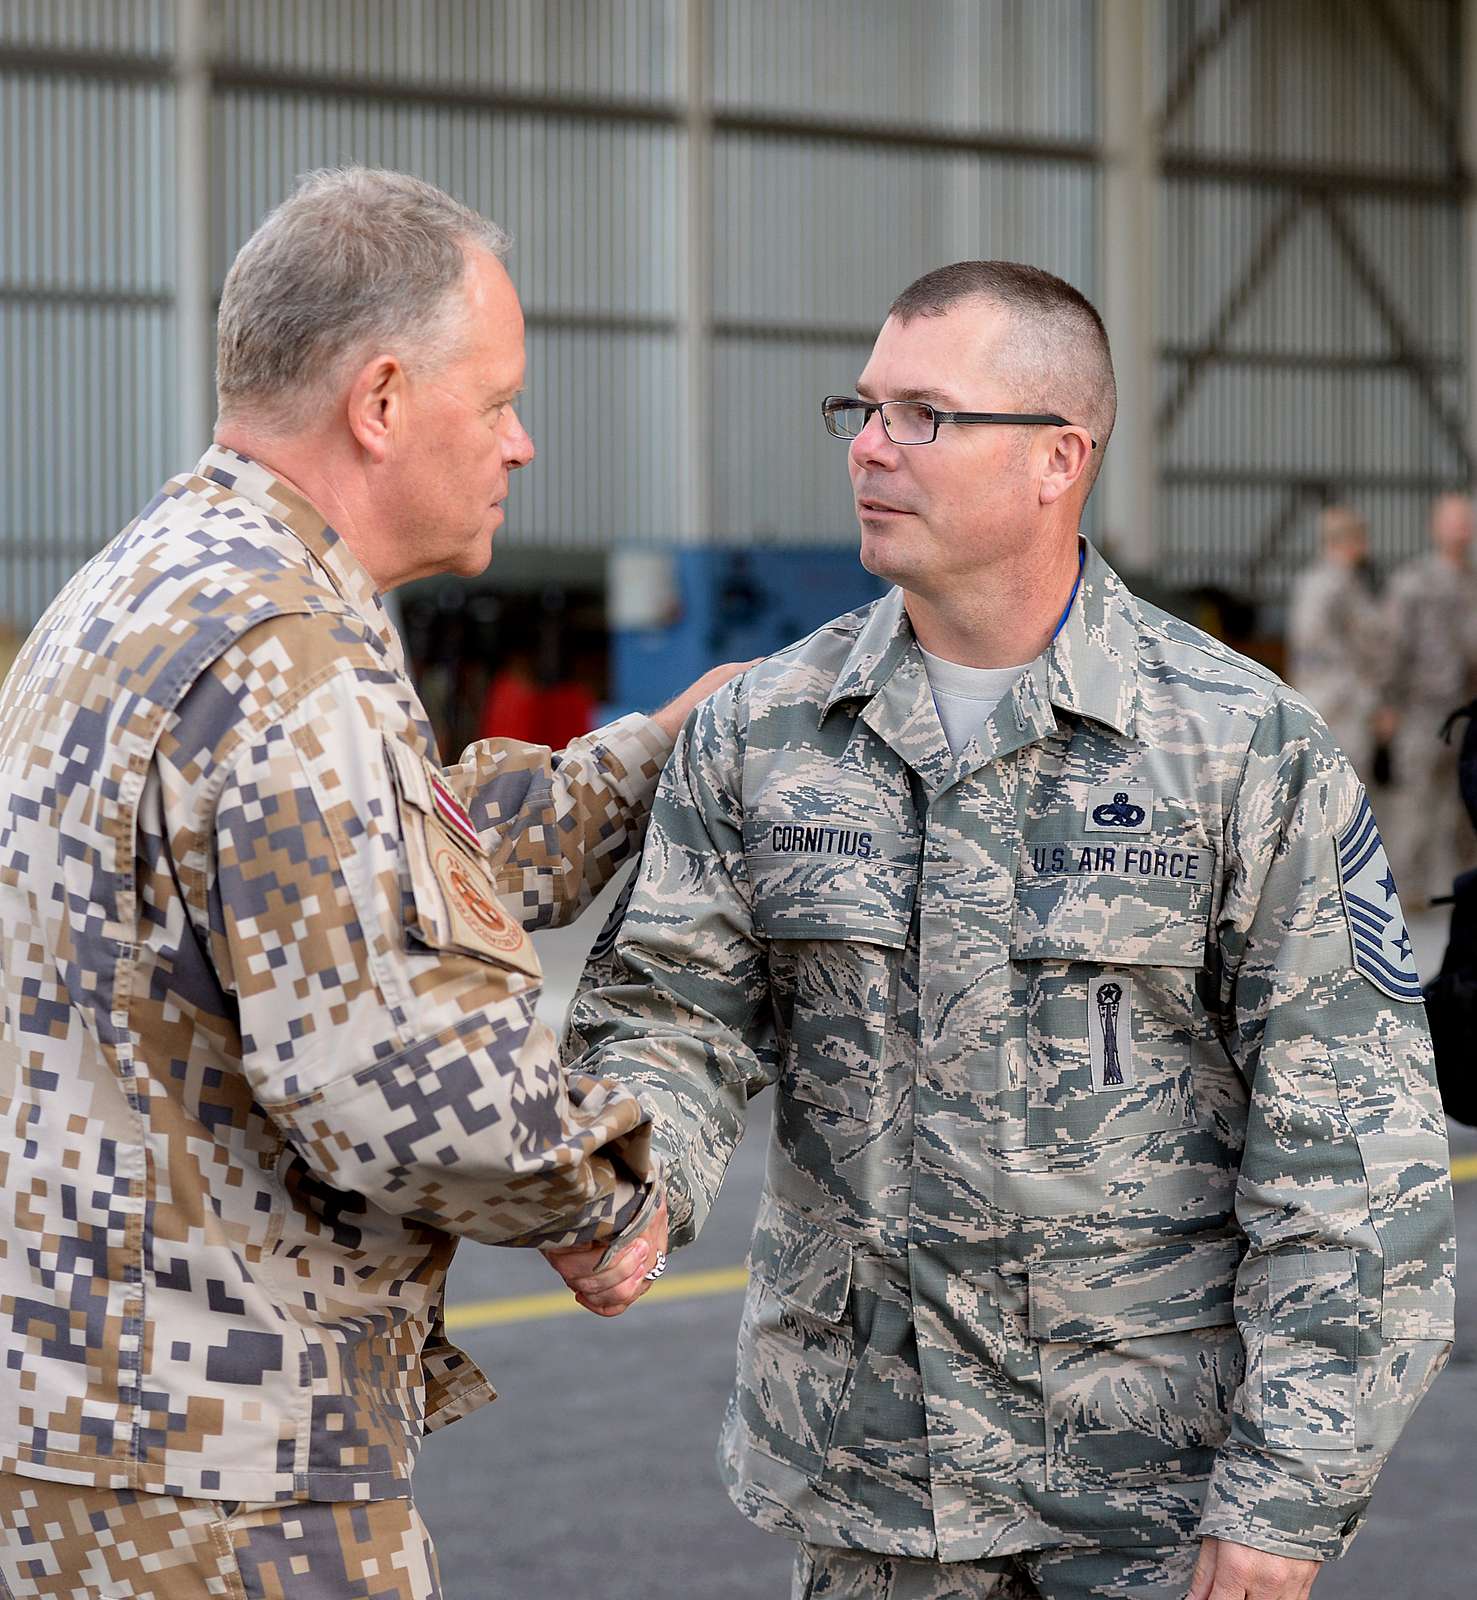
(966, 696)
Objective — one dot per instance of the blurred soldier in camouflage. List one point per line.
(1337, 650)
(268, 1038)
(1107, 1240)
(1432, 622)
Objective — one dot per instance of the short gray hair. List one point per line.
(354, 258)
(1058, 351)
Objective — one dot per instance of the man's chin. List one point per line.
(476, 556)
(882, 558)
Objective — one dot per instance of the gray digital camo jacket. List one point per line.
(1108, 1192)
(268, 1038)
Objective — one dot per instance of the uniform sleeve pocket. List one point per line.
(1305, 1345)
(453, 903)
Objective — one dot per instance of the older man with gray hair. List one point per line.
(268, 1042)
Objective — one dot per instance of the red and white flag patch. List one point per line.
(452, 813)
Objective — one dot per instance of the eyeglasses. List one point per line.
(917, 422)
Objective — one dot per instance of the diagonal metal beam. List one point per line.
(1429, 95)
(1206, 44)
(1408, 350)
(1269, 543)
(1266, 252)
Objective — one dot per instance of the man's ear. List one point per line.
(1066, 461)
(374, 403)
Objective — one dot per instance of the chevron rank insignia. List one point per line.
(1378, 935)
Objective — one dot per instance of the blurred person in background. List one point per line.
(1337, 653)
(1106, 1242)
(269, 1044)
(1432, 626)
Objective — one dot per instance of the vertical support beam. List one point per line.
(1467, 122)
(193, 322)
(1128, 234)
(966, 207)
(697, 282)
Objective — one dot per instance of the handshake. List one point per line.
(609, 1290)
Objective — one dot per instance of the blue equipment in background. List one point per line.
(676, 613)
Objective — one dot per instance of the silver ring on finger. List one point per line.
(659, 1268)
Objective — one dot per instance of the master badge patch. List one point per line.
(1110, 1031)
(1122, 807)
(1378, 936)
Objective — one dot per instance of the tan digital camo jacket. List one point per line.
(268, 1040)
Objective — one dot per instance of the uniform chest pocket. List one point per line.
(1104, 973)
(838, 924)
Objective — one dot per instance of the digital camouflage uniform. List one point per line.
(1338, 654)
(1108, 1193)
(268, 1038)
(826, 1573)
(62, 1542)
(1432, 621)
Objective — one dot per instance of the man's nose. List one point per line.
(517, 442)
(872, 446)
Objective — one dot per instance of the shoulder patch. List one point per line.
(1378, 936)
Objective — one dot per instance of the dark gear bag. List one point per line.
(1451, 996)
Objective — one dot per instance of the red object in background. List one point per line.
(514, 707)
(510, 708)
(566, 710)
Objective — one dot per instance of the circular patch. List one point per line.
(480, 909)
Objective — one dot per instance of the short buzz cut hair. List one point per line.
(1057, 359)
(354, 258)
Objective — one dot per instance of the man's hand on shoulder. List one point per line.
(672, 715)
(624, 1281)
(1227, 1571)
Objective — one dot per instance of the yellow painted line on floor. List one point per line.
(681, 1286)
(530, 1307)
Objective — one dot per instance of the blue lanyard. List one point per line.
(1081, 562)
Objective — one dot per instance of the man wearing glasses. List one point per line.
(1107, 1238)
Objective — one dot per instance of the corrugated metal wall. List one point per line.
(86, 282)
(1312, 300)
(568, 121)
(1311, 309)
(857, 144)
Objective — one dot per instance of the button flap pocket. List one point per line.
(456, 906)
(804, 1265)
(1112, 916)
(831, 880)
(1188, 1284)
(1309, 1346)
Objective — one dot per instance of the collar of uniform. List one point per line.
(880, 648)
(254, 482)
(1092, 666)
(885, 669)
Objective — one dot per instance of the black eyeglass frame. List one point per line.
(1024, 419)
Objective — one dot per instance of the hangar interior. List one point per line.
(713, 203)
